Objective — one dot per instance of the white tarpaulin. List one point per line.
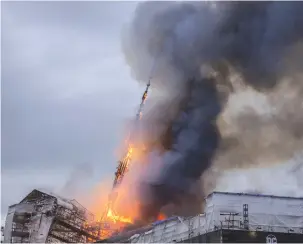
(226, 210)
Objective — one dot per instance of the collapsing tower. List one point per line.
(124, 163)
(122, 168)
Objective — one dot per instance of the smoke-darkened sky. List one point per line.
(66, 93)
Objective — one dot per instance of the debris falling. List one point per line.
(200, 46)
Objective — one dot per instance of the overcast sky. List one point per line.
(66, 93)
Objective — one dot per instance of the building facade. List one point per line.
(44, 217)
(231, 217)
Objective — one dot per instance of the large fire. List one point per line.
(129, 153)
(118, 218)
(161, 216)
(122, 208)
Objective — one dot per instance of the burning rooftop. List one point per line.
(235, 217)
(42, 217)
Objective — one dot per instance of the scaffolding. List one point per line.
(43, 218)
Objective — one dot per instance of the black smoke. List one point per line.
(197, 47)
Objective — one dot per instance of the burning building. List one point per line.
(204, 54)
(228, 218)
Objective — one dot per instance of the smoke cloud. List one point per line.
(74, 186)
(287, 176)
(205, 55)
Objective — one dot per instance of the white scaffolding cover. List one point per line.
(265, 213)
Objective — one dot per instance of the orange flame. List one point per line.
(129, 153)
(123, 208)
(161, 216)
(118, 218)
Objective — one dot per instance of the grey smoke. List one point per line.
(288, 177)
(75, 183)
(199, 47)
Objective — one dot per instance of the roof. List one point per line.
(123, 236)
(164, 220)
(36, 193)
(231, 211)
(251, 194)
(53, 194)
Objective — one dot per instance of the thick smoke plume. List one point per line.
(203, 53)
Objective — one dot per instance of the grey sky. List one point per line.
(66, 92)
(66, 95)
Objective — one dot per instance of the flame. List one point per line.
(161, 216)
(129, 153)
(144, 96)
(121, 203)
(117, 218)
(125, 203)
